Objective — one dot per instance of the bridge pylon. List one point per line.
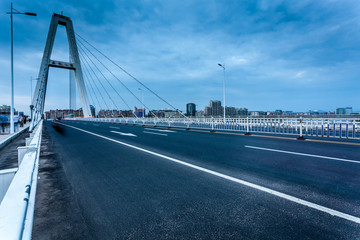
(40, 90)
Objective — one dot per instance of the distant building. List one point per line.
(127, 113)
(166, 113)
(108, 113)
(200, 113)
(313, 112)
(278, 112)
(92, 109)
(257, 113)
(172, 114)
(214, 109)
(190, 109)
(242, 112)
(139, 112)
(5, 110)
(208, 111)
(58, 113)
(230, 111)
(344, 111)
(158, 113)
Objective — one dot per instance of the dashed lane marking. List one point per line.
(154, 133)
(233, 179)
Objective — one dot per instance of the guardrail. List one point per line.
(319, 127)
(17, 205)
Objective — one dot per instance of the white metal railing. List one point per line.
(17, 206)
(319, 127)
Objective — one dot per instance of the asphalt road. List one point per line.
(109, 181)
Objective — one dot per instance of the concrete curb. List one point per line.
(6, 141)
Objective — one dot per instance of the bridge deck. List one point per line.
(107, 181)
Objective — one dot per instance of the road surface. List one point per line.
(107, 181)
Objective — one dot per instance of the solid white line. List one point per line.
(303, 154)
(236, 180)
(161, 134)
(124, 134)
(114, 127)
(160, 130)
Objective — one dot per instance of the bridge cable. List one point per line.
(87, 72)
(104, 78)
(90, 93)
(91, 86)
(85, 61)
(113, 75)
(117, 79)
(126, 72)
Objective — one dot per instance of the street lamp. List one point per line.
(142, 101)
(13, 11)
(223, 66)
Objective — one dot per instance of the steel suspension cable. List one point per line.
(90, 84)
(130, 75)
(86, 62)
(91, 96)
(118, 79)
(84, 52)
(87, 72)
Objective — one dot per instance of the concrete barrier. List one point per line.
(17, 206)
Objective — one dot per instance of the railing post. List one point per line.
(247, 126)
(187, 126)
(301, 133)
(212, 125)
(354, 130)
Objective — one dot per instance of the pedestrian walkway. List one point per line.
(5, 136)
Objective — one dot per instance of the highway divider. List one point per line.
(17, 205)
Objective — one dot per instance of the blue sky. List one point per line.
(290, 55)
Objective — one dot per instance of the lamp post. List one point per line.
(223, 67)
(13, 11)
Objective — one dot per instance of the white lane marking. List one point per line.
(161, 134)
(303, 154)
(124, 134)
(160, 130)
(236, 180)
(114, 127)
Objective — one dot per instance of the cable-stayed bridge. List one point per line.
(181, 177)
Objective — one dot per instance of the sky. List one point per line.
(289, 55)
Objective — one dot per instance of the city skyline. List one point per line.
(278, 55)
(215, 108)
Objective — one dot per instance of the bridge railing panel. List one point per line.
(309, 127)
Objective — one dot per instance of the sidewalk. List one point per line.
(7, 137)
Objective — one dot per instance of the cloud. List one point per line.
(271, 49)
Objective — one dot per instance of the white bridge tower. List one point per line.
(37, 105)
